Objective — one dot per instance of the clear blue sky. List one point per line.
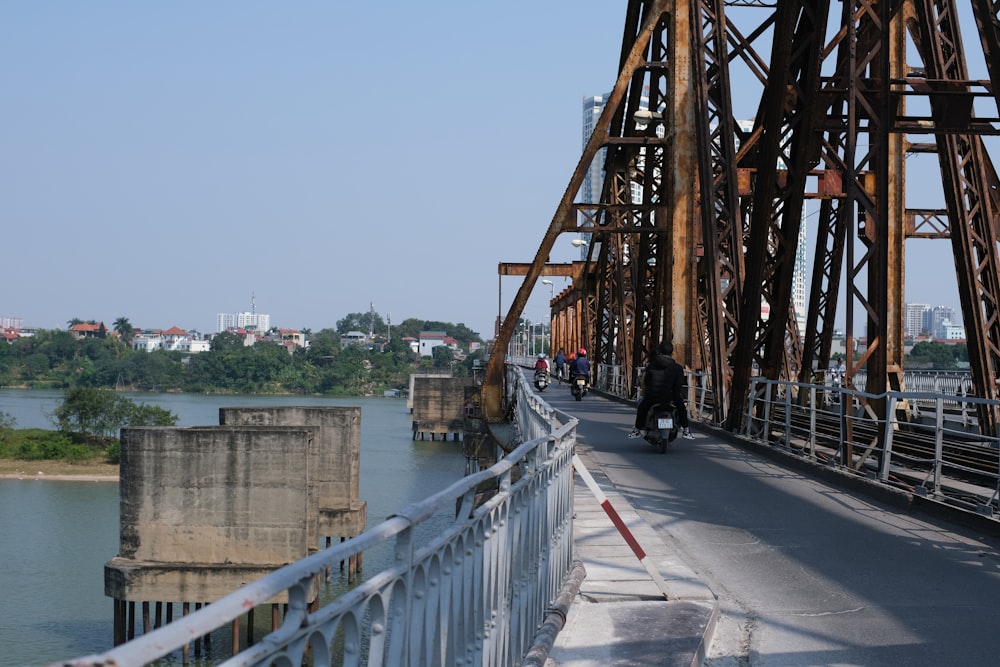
(164, 161)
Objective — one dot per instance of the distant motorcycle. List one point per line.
(578, 385)
(542, 379)
(661, 426)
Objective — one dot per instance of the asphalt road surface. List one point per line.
(806, 573)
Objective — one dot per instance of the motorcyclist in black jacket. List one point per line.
(663, 382)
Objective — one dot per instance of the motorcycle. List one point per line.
(578, 386)
(542, 379)
(661, 426)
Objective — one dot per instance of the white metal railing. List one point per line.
(790, 413)
(474, 594)
(939, 408)
(535, 417)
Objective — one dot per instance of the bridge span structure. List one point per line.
(497, 584)
(725, 119)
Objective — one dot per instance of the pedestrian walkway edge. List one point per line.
(619, 615)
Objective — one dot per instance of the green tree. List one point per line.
(124, 329)
(932, 355)
(347, 374)
(412, 327)
(324, 346)
(99, 412)
(226, 340)
(443, 356)
(361, 322)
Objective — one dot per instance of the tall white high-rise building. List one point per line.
(252, 320)
(590, 191)
(256, 321)
(593, 180)
(799, 276)
(913, 324)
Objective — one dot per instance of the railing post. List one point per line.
(788, 414)
(811, 441)
(890, 423)
(938, 443)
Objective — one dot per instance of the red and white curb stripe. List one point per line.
(620, 525)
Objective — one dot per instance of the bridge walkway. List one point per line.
(620, 616)
(807, 571)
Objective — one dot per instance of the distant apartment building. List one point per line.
(913, 319)
(935, 317)
(949, 332)
(255, 321)
(593, 181)
(12, 328)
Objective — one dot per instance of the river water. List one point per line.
(56, 536)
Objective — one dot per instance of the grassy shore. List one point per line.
(56, 469)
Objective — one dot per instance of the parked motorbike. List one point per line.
(578, 385)
(661, 426)
(542, 379)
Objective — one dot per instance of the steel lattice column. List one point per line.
(638, 36)
(965, 170)
(720, 275)
(787, 140)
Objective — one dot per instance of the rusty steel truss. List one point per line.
(695, 236)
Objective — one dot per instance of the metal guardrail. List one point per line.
(942, 414)
(475, 594)
(781, 412)
(534, 417)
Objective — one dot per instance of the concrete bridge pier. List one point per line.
(335, 466)
(207, 510)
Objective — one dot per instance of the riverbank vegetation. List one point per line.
(91, 370)
(55, 359)
(87, 424)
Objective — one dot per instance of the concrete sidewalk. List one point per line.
(620, 616)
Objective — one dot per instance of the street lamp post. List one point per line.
(552, 291)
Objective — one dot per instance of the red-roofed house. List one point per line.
(89, 330)
(429, 340)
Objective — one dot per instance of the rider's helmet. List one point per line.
(583, 352)
(541, 355)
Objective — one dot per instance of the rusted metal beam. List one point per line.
(632, 60)
(567, 270)
(968, 178)
(787, 137)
